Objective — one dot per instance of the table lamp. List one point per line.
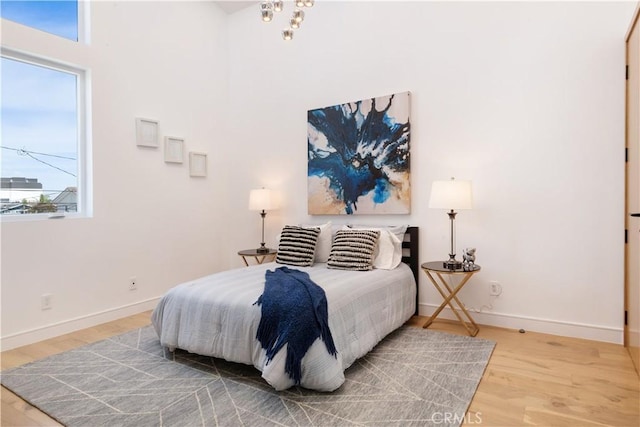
(261, 200)
(451, 195)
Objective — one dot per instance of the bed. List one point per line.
(217, 316)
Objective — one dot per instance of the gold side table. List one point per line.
(435, 272)
(259, 257)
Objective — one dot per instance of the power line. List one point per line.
(23, 152)
(49, 164)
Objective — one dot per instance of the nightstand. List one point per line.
(259, 257)
(435, 272)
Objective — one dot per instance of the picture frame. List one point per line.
(173, 149)
(197, 164)
(147, 132)
(338, 187)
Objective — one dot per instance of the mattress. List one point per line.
(216, 316)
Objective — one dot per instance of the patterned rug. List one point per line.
(413, 377)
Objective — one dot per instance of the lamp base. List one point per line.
(262, 250)
(452, 264)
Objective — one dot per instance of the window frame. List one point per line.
(84, 181)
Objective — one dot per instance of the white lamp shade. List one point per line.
(451, 194)
(261, 199)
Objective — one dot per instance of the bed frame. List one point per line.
(411, 256)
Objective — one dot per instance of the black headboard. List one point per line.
(411, 255)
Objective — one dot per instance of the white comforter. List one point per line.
(215, 316)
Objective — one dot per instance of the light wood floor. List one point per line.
(531, 379)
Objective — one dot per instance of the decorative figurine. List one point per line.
(468, 259)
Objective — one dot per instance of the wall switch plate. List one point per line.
(46, 301)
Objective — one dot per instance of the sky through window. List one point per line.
(39, 105)
(53, 16)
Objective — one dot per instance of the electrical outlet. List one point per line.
(133, 284)
(496, 288)
(46, 301)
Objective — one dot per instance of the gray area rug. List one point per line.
(413, 377)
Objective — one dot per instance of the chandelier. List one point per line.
(268, 7)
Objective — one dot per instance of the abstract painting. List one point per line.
(358, 157)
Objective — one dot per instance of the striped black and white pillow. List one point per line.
(353, 250)
(297, 246)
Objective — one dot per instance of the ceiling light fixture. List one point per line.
(268, 7)
(266, 10)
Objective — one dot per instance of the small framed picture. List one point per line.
(173, 149)
(197, 164)
(147, 132)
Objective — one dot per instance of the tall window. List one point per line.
(57, 17)
(42, 117)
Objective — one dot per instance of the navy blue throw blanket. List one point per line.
(294, 312)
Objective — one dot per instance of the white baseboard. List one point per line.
(71, 325)
(546, 326)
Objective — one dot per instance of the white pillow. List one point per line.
(388, 254)
(323, 248)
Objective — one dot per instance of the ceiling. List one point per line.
(232, 6)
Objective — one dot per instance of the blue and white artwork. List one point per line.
(358, 156)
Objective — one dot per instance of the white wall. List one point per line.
(524, 99)
(161, 60)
